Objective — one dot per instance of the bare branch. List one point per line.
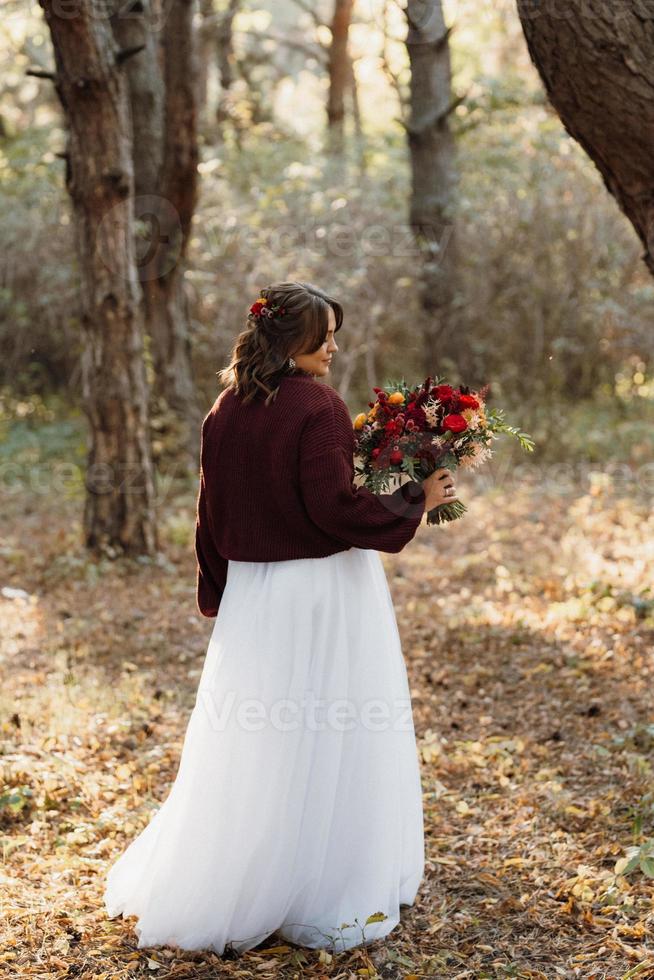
(435, 117)
(308, 9)
(127, 53)
(444, 38)
(318, 51)
(41, 73)
(393, 76)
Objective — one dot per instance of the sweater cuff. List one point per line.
(206, 598)
(408, 500)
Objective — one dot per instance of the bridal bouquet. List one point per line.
(421, 429)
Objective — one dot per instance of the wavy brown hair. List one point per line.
(259, 358)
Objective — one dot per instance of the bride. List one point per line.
(297, 805)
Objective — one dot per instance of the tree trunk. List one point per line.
(166, 299)
(340, 70)
(163, 96)
(596, 60)
(146, 92)
(434, 175)
(225, 44)
(354, 96)
(91, 84)
(206, 35)
(216, 44)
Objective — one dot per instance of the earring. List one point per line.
(291, 363)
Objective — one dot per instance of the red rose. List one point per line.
(396, 456)
(468, 401)
(375, 453)
(256, 308)
(444, 393)
(455, 423)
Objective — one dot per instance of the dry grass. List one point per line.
(531, 669)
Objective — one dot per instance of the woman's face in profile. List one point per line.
(319, 361)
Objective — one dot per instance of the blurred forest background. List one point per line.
(552, 303)
(527, 627)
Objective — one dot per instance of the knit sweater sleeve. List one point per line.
(211, 566)
(351, 514)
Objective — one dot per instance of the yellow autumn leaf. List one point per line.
(541, 668)
(636, 931)
(583, 891)
(575, 811)
(430, 752)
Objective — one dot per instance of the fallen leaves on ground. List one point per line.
(529, 640)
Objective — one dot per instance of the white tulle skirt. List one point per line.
(297, 805)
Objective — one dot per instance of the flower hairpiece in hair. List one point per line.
(263, 308)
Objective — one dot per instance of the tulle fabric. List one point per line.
(297, 805)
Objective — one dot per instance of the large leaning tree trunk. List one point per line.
(163, 96)
(91, 84)
(434, 176)
(596, 60)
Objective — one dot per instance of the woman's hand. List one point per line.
(439, 488)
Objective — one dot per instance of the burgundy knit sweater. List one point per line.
(277, 482)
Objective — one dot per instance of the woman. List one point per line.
(297, 806)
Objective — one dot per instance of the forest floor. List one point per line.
(528, 632)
